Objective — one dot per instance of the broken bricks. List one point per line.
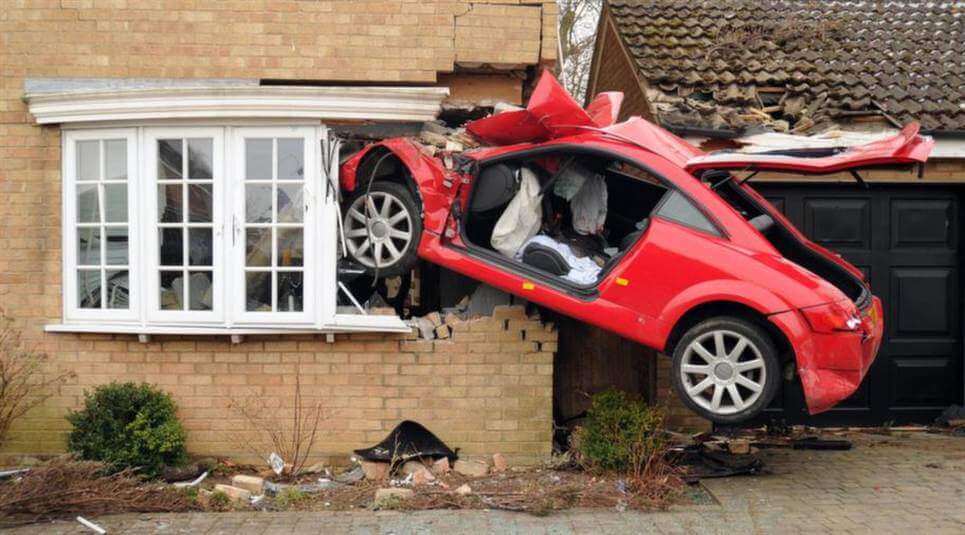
(471, 468)
(252, 484)
(375, 471)
(234, 493)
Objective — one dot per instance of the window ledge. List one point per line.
(343, 324)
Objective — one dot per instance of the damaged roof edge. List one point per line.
(68, 101)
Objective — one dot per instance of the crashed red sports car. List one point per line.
(630, 228)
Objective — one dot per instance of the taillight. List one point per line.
(833, 317)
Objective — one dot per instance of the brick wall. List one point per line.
(486, 389)
(482, 392)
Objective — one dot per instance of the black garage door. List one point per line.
(908, 241)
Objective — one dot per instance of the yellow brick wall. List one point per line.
(486, 389)
(483, 393)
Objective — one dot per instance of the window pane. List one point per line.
(169, 203)
(678, 208)
(290, 291)
(89, 288)
(88, 208)
(89, 246)
(258, 291)
(116, 249)
(200, 246)
(199, 158)
(290, 205)
(88, 160)
(199, 203)
(291, 248)
(258, 247)
(115, 203)
(291, 159)
(172, 290)
(258, 204)
(115, 159)
(171, 247)
(118, 293)
(258, 159)
(200, 290)
(170, 161)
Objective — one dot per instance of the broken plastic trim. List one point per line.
(409, 440)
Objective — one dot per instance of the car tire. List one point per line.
(384, 222)
(720, 381)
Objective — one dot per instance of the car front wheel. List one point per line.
(382, 226)
(726, 369)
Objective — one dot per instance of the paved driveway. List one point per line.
(913, 484)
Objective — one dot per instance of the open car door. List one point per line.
(906, 147)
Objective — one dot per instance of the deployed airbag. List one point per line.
(522, 218)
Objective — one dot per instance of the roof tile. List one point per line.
(908, 56)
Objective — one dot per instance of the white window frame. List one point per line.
(228, 315)
(310, 240)
(72, 310)
(149, 143)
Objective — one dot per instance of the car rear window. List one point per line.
(677, 207)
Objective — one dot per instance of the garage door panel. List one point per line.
(923, 302)
(838, 223)
(906, 241)
(923, 224)
(923, 381)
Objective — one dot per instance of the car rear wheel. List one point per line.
(726, 369)
(382, 228)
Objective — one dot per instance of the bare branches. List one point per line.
(577, 34)
(23, 383)
(66, 487)
(292, 437)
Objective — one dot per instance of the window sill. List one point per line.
(343, 323)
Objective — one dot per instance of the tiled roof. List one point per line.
(797, 64)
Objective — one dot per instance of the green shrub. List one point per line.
(128, 426)
(620, 433)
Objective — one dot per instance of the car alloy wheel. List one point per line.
(723, 372)
(378, 229)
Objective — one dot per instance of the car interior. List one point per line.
(564, 214)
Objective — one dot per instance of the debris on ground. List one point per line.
(193, 483)
(65, 487)
(952, 420)
(409, 440)
(91, 526)
(471, 468)
(252, 484)
(234, 493)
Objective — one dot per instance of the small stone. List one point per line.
(441, 466)
(388, 495)
(471, 468)
(235, 493)
(499, 463)
(375, 471)
(739, 446)
(464, 490)
(252, 484)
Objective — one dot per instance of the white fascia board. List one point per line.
(948, 148)
(342, 324)
(342, 102)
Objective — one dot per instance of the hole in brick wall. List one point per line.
(589, 360)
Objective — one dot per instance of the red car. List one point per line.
(630, 228)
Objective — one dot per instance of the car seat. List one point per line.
(495, 186)
(545, 259)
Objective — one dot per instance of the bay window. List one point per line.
(202, 228)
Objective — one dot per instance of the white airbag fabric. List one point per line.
(522, 218)
(582, 270)
(589, 206)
